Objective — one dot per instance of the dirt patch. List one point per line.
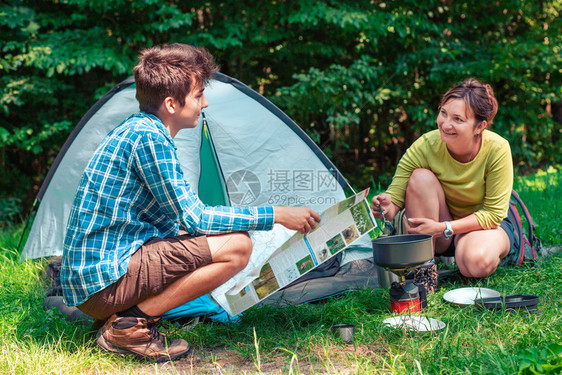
(341, 359)
(216, 361)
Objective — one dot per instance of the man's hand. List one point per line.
(302, 219)
(388, 208)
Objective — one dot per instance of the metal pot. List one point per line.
(402, 251)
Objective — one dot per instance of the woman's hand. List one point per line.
(388, 208)
(421, 225)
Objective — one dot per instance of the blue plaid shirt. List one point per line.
(131, 191)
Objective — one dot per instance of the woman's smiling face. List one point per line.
(457, 129)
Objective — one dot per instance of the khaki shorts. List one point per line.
(154, 266)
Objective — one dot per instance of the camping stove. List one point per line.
(404, 297)
(399, 254)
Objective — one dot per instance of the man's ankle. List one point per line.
(134, 312)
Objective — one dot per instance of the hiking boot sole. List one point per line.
(108, 346)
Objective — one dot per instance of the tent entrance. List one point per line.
(212, 186)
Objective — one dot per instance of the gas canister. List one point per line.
(404, 298)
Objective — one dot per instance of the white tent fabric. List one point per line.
(49, 225)
(252, 139)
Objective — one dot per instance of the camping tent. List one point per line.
(245, 151)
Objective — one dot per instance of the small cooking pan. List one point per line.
(513, 302)
(402, 251)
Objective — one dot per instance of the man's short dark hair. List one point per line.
(172, 70)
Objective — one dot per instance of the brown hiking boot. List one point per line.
(139, 336)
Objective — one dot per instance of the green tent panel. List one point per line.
(212, 187)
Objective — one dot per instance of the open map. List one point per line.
(272, 266)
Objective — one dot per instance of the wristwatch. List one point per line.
(448, 232)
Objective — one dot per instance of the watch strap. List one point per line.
(448, 232)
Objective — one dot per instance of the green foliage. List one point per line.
(363, 78)
(547, 360)
(403, 56)
(9, 209)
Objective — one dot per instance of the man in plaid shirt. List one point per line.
(139, 241)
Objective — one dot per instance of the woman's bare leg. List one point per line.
(425, 198)
(478, 253)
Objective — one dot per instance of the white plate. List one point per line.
(466, 296)
(415, 323)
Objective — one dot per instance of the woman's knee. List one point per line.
(421, 184)
(477, 261)
(425, 196)
(422, 178)
(479, 252)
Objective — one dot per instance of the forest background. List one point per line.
(363, 78)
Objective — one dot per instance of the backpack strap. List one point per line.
(517, 226)
(534, 241)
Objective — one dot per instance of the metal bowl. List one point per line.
(402, 251)
(467, 296)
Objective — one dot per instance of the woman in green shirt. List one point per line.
(455, 182)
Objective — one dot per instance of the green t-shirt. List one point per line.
(481, 186)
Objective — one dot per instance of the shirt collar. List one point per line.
(159, 125)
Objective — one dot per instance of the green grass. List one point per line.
(299, 339)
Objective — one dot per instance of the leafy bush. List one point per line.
(363, 78)
(10, 208)
(547, 360)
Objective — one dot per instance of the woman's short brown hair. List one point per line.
(479, 99)
(171, 70)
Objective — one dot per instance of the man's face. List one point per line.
(195, 101)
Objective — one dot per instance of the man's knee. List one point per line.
(234, 248)
(245, 250)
